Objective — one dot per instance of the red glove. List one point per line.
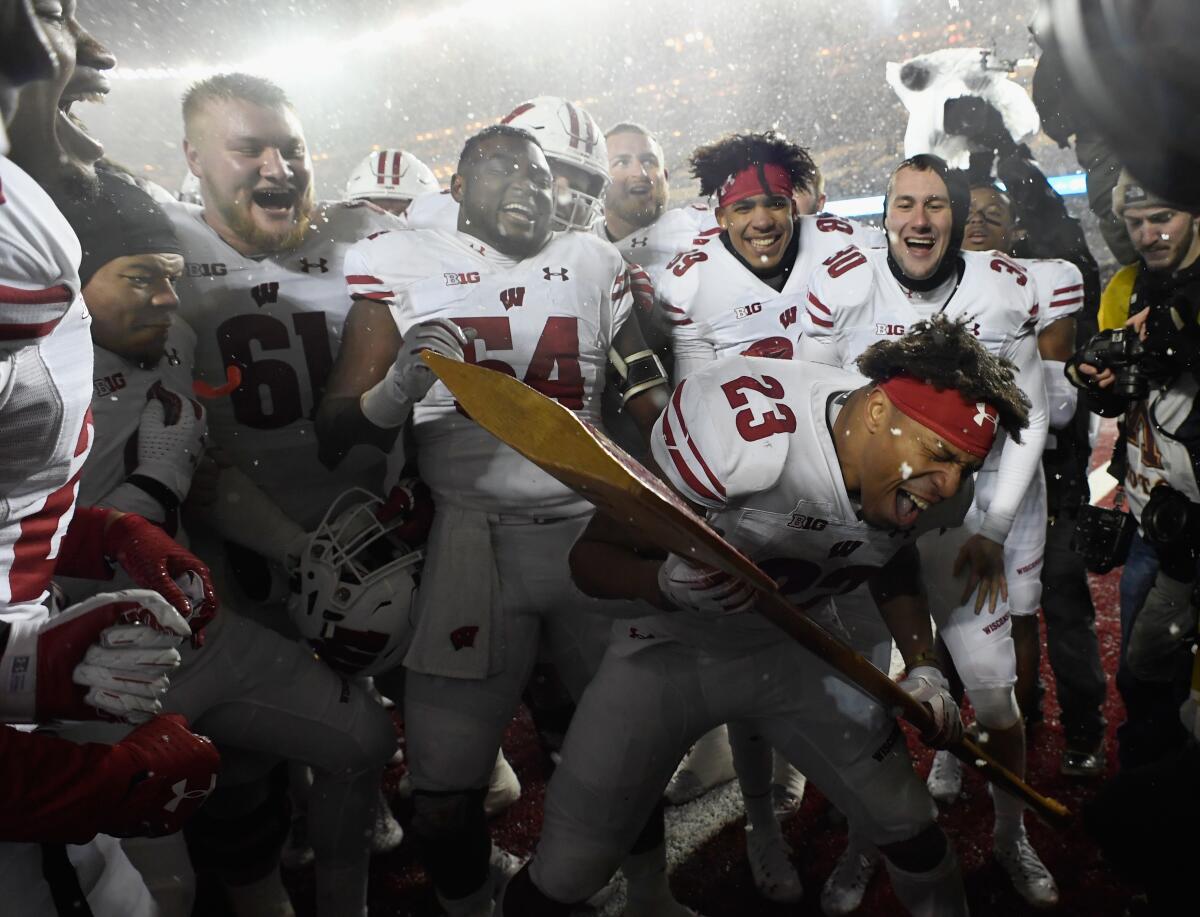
(148, 784)
(167, 771)
(149, 555)
(410, 500)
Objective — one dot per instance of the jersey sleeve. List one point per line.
(363, 279)
(699, 446)
(838, 287)
(1060, 291)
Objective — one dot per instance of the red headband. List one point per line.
(761, 178)
(969, 425)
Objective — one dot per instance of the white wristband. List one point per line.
(383, 406)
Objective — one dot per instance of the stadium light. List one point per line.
(1067, 185)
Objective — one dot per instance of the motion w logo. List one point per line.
(265, 293)
(512, 297)
(844, 548)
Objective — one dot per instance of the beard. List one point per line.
(237, 218)
(639, 213)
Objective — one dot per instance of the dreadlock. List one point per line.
(714, 163)
(946, 355)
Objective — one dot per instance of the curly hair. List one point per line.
(946, 355)
(715, 162)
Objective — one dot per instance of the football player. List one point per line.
(738, 290)
(812, 474)
(263, 288)
(992, 563)
(506, 292)
(573, 146)
(260, 696)
(741, 290)
(390, 179)
(54, 790)
(1067, 603)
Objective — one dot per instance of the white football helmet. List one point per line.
(390, 174)
(357, 586)
(570, 137)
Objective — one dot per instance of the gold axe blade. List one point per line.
(582, 457)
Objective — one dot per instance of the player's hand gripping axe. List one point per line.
(582, 457)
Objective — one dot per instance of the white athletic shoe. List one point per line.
(503, 789)
(709, 764)
(787, 787)
(945, 778)
(1029, 875)
(771, 865)
(844, 889)
(386, 834)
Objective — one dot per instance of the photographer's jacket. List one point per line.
(1155, 453)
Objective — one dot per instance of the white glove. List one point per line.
(929, 686)
(170, 439)
(1189, 715)
(388, 403)
(126, 669)
(704, 589)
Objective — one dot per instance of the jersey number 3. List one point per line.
(751, 426)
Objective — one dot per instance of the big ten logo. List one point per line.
(109, 384)
(454, 280)
(195, 269)
(887, 329)
(809, 523)
(746, 311)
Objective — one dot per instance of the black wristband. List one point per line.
(155, 489)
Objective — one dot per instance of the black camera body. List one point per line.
(1170, 521)
(1120, 350)
(1102, 537)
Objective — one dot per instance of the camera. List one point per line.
(1102, 537)
(1170, 521)
(1120, 350)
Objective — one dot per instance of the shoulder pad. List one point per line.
(841, 283)
(707, 440)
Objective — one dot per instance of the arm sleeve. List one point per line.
(1019, 461)
(362, 281)
(52, 790)
(1061, 395)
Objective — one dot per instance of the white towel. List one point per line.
(459, 628)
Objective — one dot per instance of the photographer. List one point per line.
(1147, 370)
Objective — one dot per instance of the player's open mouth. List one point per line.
(765, 246)
(908, 507)
(640, 189)
(275, 201)
(977, 236)
(919, 246)
(520, 214)
(72, 136)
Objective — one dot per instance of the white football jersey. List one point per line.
(1059, 288)
(267, 331)
(854, 301)
(1154, 457)
(119, 394)
(548, 320)
(676, 230)
(432, 210)
(716, 307)
(45, 389)
(750, 439)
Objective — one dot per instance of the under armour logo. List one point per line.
(478, 248)
(561, 273)
(983, 412)
(182, 792)
(634, 243)
(975, 329)
(306, 265)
